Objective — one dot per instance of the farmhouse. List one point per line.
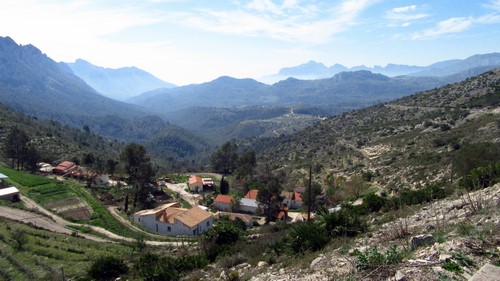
(293, 200)
(7, 192)
(195, 184)
(64, 168)
(223, 202)
(248, 205)
(171, 219)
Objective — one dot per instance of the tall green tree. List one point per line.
(316, 191)
(140, 172)
(269, 194)
(246, 164)
(224, 160)
(224, 186)
(17, 148)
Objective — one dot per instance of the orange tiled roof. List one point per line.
(195, 179)
(226, 199)
(252, 194)
(193, 216)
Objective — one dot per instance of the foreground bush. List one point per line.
(107, 268)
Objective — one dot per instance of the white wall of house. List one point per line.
(292, 204)
(223, 206)
(196, 187)
(177, 228)
(248, 205)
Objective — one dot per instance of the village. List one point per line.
(193, 208)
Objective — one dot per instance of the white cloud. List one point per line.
(289, 21)
(404, 16)
(456, 25)
(449, 26)
(494, 5)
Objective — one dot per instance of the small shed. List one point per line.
(195, 183)
(9, 193)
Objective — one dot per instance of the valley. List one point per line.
(400, 176)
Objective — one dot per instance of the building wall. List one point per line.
(223, 206)
(178, 228)
(198, 187)
(247, 209)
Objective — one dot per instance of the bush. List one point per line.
(152, 267)
(345, 222)
(372, 258)
(107, 268)
(373, 202)
(308, 236)
(217, 240)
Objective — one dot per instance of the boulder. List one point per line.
(422, 239)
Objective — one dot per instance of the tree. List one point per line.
(110, 166)
(224, 160)
(224, 186)
(140, 172)
(269, 193)
(316, 191)
(94, 167)
(246, 164)
(16, 146)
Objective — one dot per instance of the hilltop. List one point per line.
(406, 143)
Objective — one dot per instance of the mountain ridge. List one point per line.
(316, 70)
(121, 83)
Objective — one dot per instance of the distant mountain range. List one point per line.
(34, 84)
(314, 70)
(345, 90)
(119, 84)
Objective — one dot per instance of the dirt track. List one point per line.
(42, 218)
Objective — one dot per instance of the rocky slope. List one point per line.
(463, 229)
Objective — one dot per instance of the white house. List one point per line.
(171, 219)
(292, 199)
(248, 205)
(9, 193)
(223, 202)
(195, 183)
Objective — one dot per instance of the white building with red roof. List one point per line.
(172, 219)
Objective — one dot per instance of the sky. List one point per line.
(185, 42)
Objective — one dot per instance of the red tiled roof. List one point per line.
(252, 194)
(226, 199)
(195, 179)
(298, 196)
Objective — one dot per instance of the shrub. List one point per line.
(373, 202)
(373, 258)
(453, 267)
(107, 268)
(345, 222)
(308, 236)
(218, 239)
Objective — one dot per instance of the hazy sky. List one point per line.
(183, 42)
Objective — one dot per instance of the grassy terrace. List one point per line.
(27, 253)
(45, 190)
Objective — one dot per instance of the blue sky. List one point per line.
(183, 42)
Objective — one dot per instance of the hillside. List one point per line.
(347, 90)
(32, 83)
(119, 84)
(406, 143)
(54, 141)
